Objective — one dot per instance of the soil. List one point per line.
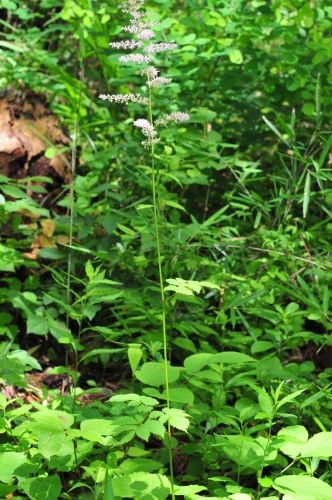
(27, 130)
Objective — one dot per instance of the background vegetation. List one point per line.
(245, 194)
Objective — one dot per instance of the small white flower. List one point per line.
(159, 81)
(124, 98)
(145, 34)
(142, 29)
(155, 48)
(135, 58)
(176, 116)
(151, 72)
(132, 7)
(126, 45)
(146, 128)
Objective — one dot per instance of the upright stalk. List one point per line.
(162, 294)
(71, 226)
(71, 190)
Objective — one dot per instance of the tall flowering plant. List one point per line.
(142, 50)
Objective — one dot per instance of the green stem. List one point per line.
(71, 190)
(71, 224)
(162, 295)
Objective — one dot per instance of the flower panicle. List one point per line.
(159, 81)
(135, 58)
(148, 130)
(126, 44)
(151, 72)
(132, 7)
(175, 116)
(146, 127)
(124, 98)
(146, 34)
(142, 30)
(156, 48)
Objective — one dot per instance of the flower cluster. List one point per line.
(151, 72)
(145, 34)
(126, 45)
(135, 58)
(159, 81)
(146, 127)
(142, 31)
(132, 7)
(124, 98)
(155, 48)
(147, 130)
(175, 116)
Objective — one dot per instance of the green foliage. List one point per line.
(244, 193)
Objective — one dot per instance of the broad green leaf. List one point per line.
(141, 485)
(319, 445)
(42, 488)
(97, 429)
(192, 489)
(37, 325)
(180, 395)
(196, 362)
(51, 421)
(232, 358)
(60, 331)
(235, 56)
(309, 488)
(261, 346)
(293, 438)
(50, 443)
(152, 373)
(10, 461)
(24, 359)
(246, 451)
(176, 394)
(202, 115)
(139, 464)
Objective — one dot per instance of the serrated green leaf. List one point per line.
(178, 419)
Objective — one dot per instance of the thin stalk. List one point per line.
(162, 295)
(71, 191)
(71, 223)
